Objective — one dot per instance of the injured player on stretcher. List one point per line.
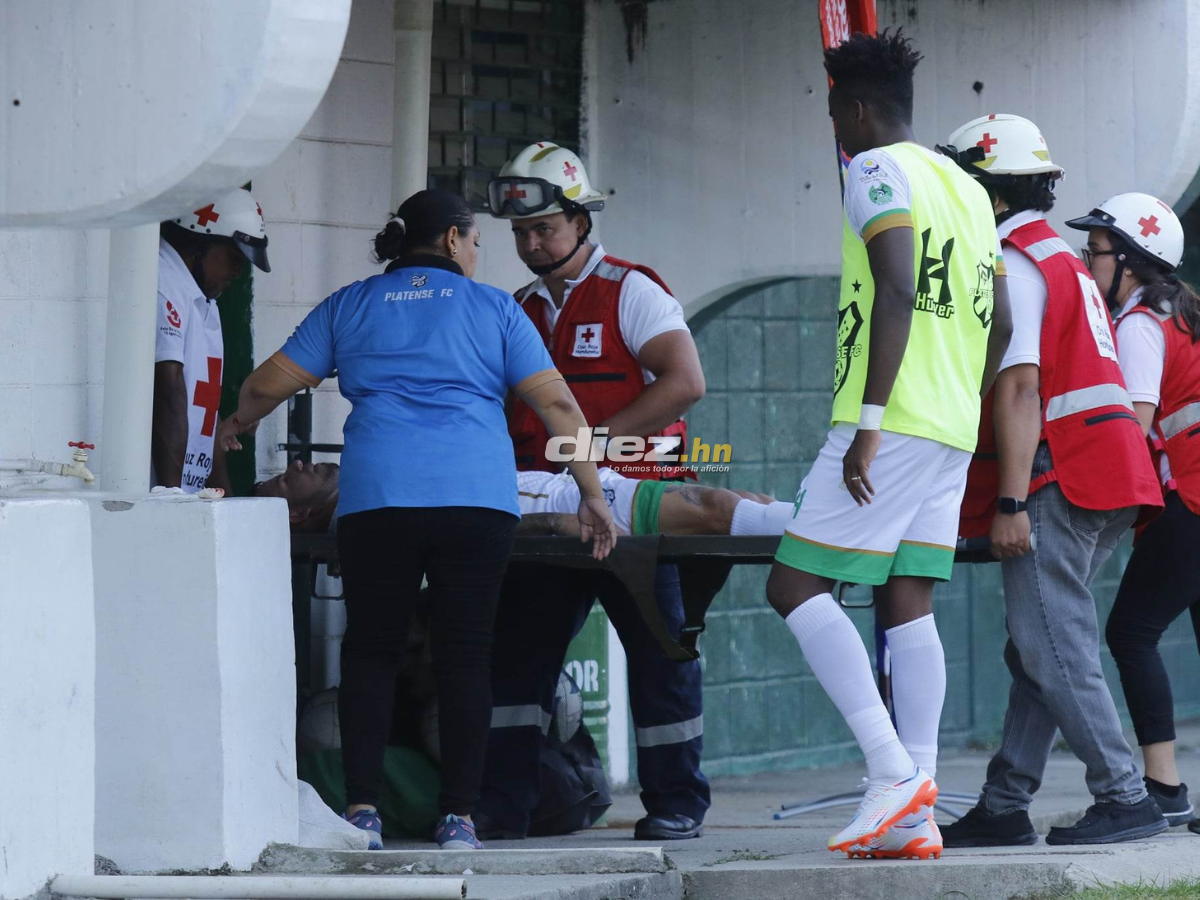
(549, 502)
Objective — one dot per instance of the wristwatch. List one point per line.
(1010, 506)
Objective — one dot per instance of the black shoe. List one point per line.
(979, 828)
(1194, 826)
(667, 827)
(488, 829)
(1176, 807)
(1111, 823)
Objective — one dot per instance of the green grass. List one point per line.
(1186, 889)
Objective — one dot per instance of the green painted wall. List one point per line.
(768, 358)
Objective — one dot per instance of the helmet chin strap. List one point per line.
(554, 266)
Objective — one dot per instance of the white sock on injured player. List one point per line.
(752, 517)
(918, 687)
(836, 655)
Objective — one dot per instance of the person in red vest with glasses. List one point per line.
(1059, 474)
(623, 345)
(1135, 246)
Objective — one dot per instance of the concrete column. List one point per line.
(47, 680)
(410, 124)
(129, 359)
(195, 682)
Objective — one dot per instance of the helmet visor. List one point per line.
(521, 196)
(254, 248)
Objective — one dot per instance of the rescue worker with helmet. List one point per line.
(621, 341)
(1135, 246)
(199, 255)
(1059, 473)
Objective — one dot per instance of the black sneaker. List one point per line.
(1173, 801)
(488, 829)
(978, 828)
(1194, 826)
(1111, 823)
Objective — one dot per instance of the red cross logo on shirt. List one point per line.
(208, 396)
(511, 191)
(1149, 226)
(206, 215)
(588, 335)
(988, 142)
(569, 169)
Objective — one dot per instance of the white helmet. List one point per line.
(235, 215)
(1145, 222)
(542, 179)
(1003, 144)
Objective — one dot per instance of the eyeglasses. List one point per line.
(1089, 256)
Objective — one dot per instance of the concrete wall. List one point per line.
(195, 689)
(718, 147)
(52, 303)
(325, 198)
(47, 702)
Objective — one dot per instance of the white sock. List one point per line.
(752, 517)
(836, 655)
(918, 687)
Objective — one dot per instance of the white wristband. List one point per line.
(871, 417)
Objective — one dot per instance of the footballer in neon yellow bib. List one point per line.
(936, 394)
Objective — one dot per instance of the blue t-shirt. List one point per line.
(425, 356)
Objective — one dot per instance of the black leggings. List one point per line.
(463, 552)
(1161, 582)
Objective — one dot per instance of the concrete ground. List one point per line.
(746, 855)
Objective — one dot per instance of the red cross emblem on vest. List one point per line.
(208, 396)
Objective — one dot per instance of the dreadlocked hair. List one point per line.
(1162, 290)
(876, 70)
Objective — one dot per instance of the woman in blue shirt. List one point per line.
(426, 357)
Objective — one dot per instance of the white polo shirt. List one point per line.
(645, 310)
(1027, 295)
(189, 331)
(1142, 350)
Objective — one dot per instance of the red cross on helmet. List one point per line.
(1145, 222)
(237, 216)
(541, 180)
(1003, 144)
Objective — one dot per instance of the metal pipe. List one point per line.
(410, 118)
(129, 358)
(259, 887)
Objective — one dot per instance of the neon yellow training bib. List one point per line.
(936, 394)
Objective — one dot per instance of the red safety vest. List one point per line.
(1100, 457)
(1176, 428)
(603, 374)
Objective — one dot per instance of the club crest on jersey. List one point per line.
(587, 341)
(420, 279)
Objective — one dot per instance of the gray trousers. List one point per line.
(1053, 653)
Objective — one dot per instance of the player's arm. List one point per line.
(890, 255)
(1000, 334)
(169, 431)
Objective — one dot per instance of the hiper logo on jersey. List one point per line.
(587, 340)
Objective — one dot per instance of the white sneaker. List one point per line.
(913, 837)
(885, 804)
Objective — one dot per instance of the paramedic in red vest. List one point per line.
(621, 342)
(199, 256)
(1135, 245)
(1070, 470)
